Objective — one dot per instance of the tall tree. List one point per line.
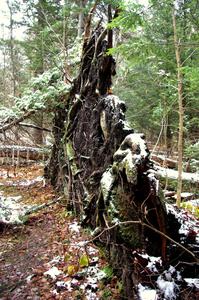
(181, 108)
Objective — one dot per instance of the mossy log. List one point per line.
(103, 167)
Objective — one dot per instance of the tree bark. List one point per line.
(102, 166)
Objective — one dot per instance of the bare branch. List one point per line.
(34, 126)
(16, 121)
(148, 226)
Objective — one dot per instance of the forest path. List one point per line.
(51, 242)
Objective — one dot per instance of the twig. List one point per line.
(148, 226)
(34, 126)
(17, 121)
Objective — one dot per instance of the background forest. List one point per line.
(41, 37)
(62, 63)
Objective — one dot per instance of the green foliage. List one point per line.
(191, 208)
(45, 91)
(108, 271)
(192, 150)
(147, 65)
(8, 113)
(106, 294)
(129, 17)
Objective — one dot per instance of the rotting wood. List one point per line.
(16, 152)
(164, 161)
(103, 168)
(92, 139)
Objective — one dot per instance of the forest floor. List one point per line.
(47, 257)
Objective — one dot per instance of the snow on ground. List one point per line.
(53, 272)
(168, 288)
(11, 211)
(74, 227)
(86, 278)
(23, 183)
(192, 282)
(146, 293)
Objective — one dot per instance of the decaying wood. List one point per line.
(101, 165)
(164, 161)
(30, 153)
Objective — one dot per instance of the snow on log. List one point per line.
(173, 174)
(164, 161)
(13, 212)
(30, 153)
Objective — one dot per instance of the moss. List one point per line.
(69, 151)
(130, 170)
(131, 235)
(70, 154)
(172, 185)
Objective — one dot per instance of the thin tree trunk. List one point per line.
(81, 18)
(180, 109)
(12, 54)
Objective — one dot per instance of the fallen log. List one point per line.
(12, 212)
(164, 161)
(29, 153)
(173, 174)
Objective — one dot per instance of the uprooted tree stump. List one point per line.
(103, 168)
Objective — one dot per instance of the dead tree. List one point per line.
(103, 167)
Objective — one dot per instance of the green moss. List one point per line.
(131, 235)
(70, 154)
(107, 294)
(108, 271)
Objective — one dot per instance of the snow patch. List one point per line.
(192, 282)
(152, 263)
(11, 212)
(74, 227)
(53, 272)
(167, 288)
(64, 285)
(55, 260)
(114, 100)
(29, 278)
(146, 294)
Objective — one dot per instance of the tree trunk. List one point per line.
(180, 110)
(81, 18)
(103, 167)
(12, 50)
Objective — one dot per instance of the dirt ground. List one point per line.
(50, 239)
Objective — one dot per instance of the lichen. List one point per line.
(107, 181)
(70, 154)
